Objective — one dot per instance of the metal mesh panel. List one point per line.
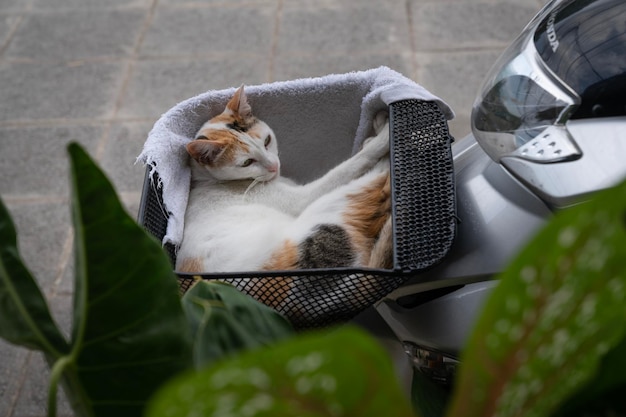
(424, 227)
(423, 182)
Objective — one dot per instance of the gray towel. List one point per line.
(303, 113)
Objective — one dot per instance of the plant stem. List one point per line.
(55, 376)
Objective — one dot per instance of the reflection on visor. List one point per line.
(522, 102)
(518, 106)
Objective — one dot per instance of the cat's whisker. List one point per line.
(252, 184)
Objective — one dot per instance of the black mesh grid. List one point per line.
(423, 182)
(424, 227)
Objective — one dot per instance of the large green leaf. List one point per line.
(24, 316)
(225, 321)
(130, 334)
(558, 309)
(340, 373)
(604, 394)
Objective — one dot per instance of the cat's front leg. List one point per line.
(374, 149)
(377, 147)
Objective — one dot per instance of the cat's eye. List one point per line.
(202, 137)
(268, 139)
(248, 162)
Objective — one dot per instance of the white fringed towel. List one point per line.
(306, 115)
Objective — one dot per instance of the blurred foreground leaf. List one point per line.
(429, 399)
(129, 333)
(604, 395)
(558, 310)
(24, 316)
(338, 373)
(224, 321)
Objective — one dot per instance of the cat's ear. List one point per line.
(239, 105)
(204, 151)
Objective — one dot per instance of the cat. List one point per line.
(242, 215)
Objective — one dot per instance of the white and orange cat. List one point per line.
(242, 215)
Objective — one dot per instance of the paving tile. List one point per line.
(32, 401)
(89, 4)
(42, 232)
(80, 90)
(13, 360)
(349, 29)
(383, 5)
(121, 150)
(132, 202)
(192, 3)
(532, 3)
(76, 34)
(7, 25)
(157, 85)
(460, 126)
(456, 77)
(14, 5)
(445, 25)
(34, 160)
(288, 67)
(65, 286)
(62, 309)
(200, 31)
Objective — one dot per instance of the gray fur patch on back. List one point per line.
(327, 247)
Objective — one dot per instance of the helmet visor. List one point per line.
(522, 107)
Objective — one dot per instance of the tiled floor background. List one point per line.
(101, 72)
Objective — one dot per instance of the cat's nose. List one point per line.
(273, 167)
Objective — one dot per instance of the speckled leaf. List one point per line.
(560, 306)
(338, 373)
(604, 394)
(224, 321)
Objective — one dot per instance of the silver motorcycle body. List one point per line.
(549, 129)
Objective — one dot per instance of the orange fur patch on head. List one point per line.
(235, 122)
(238, 114)
(256, 131)
(367, 213)
(239, 105)
(191, 265)
(220, 147)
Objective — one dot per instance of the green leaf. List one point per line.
(24, 316)
(225, 321)
(604, 394)
(130, 334)
(429, 399)
(338, 373)
(558, 309)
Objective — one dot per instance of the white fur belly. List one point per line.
(238, 238)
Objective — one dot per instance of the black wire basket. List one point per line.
(424, 224)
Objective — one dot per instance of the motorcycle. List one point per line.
(548, 129)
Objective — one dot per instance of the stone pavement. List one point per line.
(101, 72)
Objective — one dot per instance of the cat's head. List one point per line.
(235, 145)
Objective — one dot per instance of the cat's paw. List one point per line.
(378, 146)
(380, 121)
